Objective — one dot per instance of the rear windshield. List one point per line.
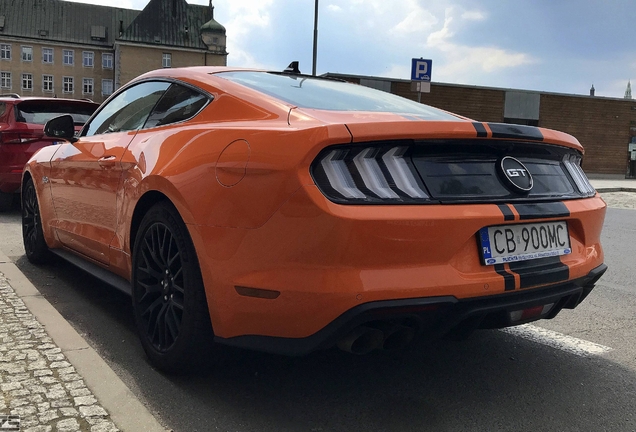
(39, 112)
(3, 109)
(316, 93)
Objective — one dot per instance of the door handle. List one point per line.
(107, 161)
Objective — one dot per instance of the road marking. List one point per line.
(557, 340)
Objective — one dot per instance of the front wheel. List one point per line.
(168, 297)
(35, 247)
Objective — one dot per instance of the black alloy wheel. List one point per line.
(160, 283)
(167, 291)
(35, 247)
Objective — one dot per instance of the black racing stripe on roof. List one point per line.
(542, 210)
(507, 212)
(481, 130)
(540, 272)
(505, 130)
(509, 278)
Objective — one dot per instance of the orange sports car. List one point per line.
(290, 213)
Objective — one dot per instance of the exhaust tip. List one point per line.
(361, 340)
(398, 338)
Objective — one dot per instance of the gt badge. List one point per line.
(515, 175)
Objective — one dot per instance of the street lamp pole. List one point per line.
(313, 68)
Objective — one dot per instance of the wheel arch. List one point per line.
(145, 203)
(26, 176)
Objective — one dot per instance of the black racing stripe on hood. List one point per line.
(505, 130)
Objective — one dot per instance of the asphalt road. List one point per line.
(494, 381)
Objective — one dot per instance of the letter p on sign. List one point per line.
(421, 70)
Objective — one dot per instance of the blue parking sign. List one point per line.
(421, 70)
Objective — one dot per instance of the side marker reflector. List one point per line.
(257, 292)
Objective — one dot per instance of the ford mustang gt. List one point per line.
(289, 213)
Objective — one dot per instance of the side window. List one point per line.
(179, 103)
(128, 110)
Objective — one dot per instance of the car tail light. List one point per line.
(572, 163)
(378, 174)
(19, 137)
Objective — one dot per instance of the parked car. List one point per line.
(289, 213)
(22, 134)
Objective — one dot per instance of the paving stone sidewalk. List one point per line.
(37, 382)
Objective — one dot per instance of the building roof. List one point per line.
(162, 22)
(56, 20)
(169, 22)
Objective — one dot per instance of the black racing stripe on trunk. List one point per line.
(504, 130)
(481, 130)
(508, 214)
(542, 210)
(509, 278)
(540, 272)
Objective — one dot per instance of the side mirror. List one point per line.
(61, 127)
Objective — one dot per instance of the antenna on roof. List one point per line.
(292, 68)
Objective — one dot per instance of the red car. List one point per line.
(22, 134)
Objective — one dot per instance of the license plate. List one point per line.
(521, 242)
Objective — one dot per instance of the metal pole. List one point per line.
(313, 68)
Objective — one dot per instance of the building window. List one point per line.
(5, 80)
(27, 82)
(87, 58)
(166, 60)
(47, 83)
(107, 87)
(47, 55)
(107, 61)
(68, 57)
(68, 85)
(87, 86)
(5, 51)
(27, 53)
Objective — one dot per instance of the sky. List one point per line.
(562, 46)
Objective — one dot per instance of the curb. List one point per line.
(125, 410)
(615, 189)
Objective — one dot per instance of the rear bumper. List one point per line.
(13, 157)
(435, 316)
(314, 260)
(10, 182)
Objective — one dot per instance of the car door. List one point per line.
(86, 174)
(179, 103)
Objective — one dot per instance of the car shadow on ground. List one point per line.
(492, 381)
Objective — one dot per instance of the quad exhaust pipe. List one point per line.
(379, 335)
(361, 340)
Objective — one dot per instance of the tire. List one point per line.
(35, 247)
(6, 201)
(169, 302)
